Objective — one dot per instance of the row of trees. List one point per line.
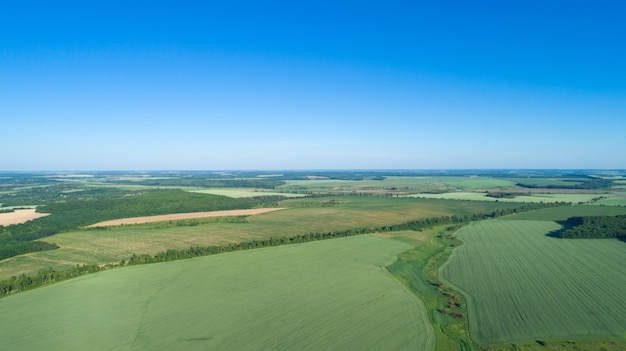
(45, 277)
(595, 227)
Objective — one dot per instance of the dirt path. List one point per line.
(179, 216)
(20, 216)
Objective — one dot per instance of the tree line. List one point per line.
(595, 227)
(588, 183)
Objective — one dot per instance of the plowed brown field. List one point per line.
(20, 216)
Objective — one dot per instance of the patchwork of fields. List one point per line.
(328, 295)
(522, 285)
(507, 284)
(302, 216)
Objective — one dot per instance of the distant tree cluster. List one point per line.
(595, 227)
(588, 183)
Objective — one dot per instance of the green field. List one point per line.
(522, 285)
(535, 198)
(328, 295)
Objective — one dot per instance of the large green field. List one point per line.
(328, 295)
(522, 285)
(564, 212)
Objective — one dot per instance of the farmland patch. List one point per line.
(19, 216)
(320, 295)
(522, 285)
(183, 216)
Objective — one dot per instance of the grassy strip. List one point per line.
(417, 269)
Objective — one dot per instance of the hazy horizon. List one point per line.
(333, 86)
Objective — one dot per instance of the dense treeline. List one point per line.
(10, 248)
(77, 213)
(588, 183)
(45, 277)
(595, 227)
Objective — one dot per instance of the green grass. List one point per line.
(328, 295)
(522, 285)
(417, 269)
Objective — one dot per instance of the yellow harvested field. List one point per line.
(181, 216)
(20, 216)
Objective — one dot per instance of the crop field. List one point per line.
(328, 295)
(182, 216)
(19, 216)
(522, 285)
(534, 198)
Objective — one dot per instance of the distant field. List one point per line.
(401, 184)
(615, 199)
(182, 216)
(328, 295)
(522, 285)
(573, 198)
(544, 182)
(19, 216)
(244, 192)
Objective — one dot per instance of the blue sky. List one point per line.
(149, 85)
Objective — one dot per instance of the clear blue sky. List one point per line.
(149, 85)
